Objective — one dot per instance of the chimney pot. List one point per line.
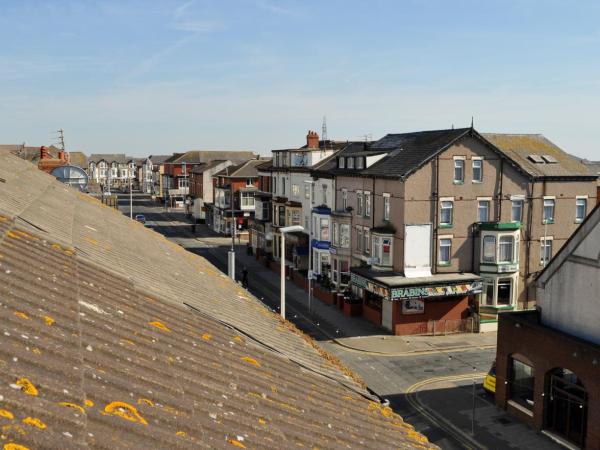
(312, 139)
(44, 153)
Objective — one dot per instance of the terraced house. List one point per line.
(431, 227)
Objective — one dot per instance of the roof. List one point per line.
(78, 159)
(158, 159)
(244, 170)
(119, 158)
(522, 148)
(29, 153)
(99, 349)
(210, 155)
(200, 168)
(394, 279)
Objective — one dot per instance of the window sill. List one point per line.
(445, 225)
(547, 222)
(444, 264)
(458, 182)
(476, 182)
(578, 220)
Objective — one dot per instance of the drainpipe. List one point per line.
(436, 197)
(500, 193)
(530, 187)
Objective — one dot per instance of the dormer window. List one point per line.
(360, 162)
(350, 162)
(342, 162)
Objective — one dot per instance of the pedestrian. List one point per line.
(245, 277)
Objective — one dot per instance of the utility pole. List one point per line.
(231, 255)
(310, 183)
(129, 172)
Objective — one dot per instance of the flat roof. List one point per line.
(394, 279)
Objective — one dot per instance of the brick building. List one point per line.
(548, 360)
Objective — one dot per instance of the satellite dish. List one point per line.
(71, 175)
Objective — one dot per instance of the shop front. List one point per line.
(438, 304)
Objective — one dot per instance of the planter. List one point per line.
(353, 309)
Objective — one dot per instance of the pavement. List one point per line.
(433, 382)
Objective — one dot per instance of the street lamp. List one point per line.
(310, 221)
(283, 231)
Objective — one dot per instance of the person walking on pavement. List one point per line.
(245, 277)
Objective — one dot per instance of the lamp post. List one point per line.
(130, 195)
(283, 231)
(231, 254)
(310, 221)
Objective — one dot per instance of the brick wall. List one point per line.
(451, 310)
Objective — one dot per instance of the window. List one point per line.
(344, 199)
(445, 249)
(183, 183)
(489, 249)
(295, 190)
(249, 181)
(344, 235)
(247, 199)
(307, 190)
(545, 251)
(342, 162)
(335, 233)
(506, 249)
(504, 292)
(283, 186)
(295, 217)
(367, 204)
(274, 184)
(517, 210)
(446, 213)
(580, 209)
(324, 191)
(386, 206)
(521, 382)
(477, 170)
(359, 203)
(489, 292)
(483, 210)
(281, 216)
(359, 239)
(367, 239)
(359, 162)
(382, 250)
(350, 162)
(459, 170)
(548, 210)
(324, 223)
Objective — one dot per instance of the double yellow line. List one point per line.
(411, 395)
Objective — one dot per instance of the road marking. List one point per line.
(412, 397)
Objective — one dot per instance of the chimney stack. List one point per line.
(61, 155)
(312, 139)
(44, 153)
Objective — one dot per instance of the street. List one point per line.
(439, 392)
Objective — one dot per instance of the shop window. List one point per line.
(548, 210)
(483, 210)
(506, 249)
(504, 292)
(477, 170)
(516, 211)
(446, 213)
(445, 251)
(459, 171)
(580, 209)
(489, 249)
(521, 382)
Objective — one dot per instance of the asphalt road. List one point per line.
(440, 394)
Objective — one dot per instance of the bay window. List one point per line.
(506, 249)
(382, 250)
(489, 249)
(344, 235)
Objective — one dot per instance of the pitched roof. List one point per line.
(78, 159)
(205, 156)
(119, 158)
(523, 148)
(244, 170)
(100, 350)
(158, 159)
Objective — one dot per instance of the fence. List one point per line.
(444, 327)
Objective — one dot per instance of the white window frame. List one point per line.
(488, 202)
(359, 163)
(247, 199)
(344, 199)
(512, 248)
(378, 252)
(442, 241)
(366, 239)
(514, 199)
(367, 204)
(359, 239)
(459, 162)
(544, 219)
(341, 162)
(345, 235)
(451, 208)
(359, 203)
(350, 162)
(488, 257)
(545, 242)
(584, 199)
(386, 206)
(479, 161)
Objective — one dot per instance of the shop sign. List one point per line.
(368, 285)
(436, 291)
(333, 250)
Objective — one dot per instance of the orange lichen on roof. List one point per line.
(18, 234)
(21, 314)
(91, 240)
(262, 421)
(49, 320)
(72, 405)
(88, 403)
(6, 414)
(236, 443)
(34, 422)
(250, 361)
(13, 446)
(125, 411)
(181, 433)
(145, 401)
(238, 339)
(36, 350)
(27, 386)
(159, 325)
(206, 336)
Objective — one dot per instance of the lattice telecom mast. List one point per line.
(324, 129)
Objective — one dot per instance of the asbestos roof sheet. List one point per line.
(519, 148)
(98, 350)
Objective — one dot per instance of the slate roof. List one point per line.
(210, 155)
(98, 349)
(244, 170)
(158, 159)
(201, 168)
(518, 147)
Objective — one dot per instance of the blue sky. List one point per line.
(159, 77)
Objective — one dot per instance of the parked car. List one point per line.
(140, 218)
(489, 382)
